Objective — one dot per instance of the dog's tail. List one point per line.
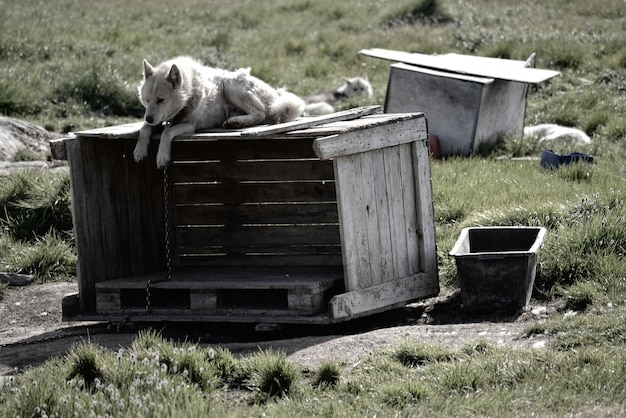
(287, 107)
(318, 109)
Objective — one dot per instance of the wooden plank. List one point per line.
(444, 77)
(305, 123)
(57, 148)
(258, 235)
(285, 317)
(457, 63)
(351, 205)
(276, 214)
(372, 256)
(128, 130)
(425, 207)
(313, 278)
(340, 127)
(393, 185)
(242, 149)
(384, 296)
(376, 137)
(252, 171)
(266, 249)
(260, 259)
(384, 247)
(235, 192)
(306, 283)
(409, 202)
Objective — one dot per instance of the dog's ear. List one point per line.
(148, 69)
(174, 76)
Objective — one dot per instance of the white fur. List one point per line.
(557, 134)
(187, 96)
(322, 103)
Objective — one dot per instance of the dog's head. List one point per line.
(356, 86)
(160, 92)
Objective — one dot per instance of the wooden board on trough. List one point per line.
(467, 64)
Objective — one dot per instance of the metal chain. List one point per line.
(166, 214)
(168, 253)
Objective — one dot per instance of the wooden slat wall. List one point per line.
(254, 203)
(380, 233)
(385, 203)
(118, 206)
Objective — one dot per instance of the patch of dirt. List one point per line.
(32, 330)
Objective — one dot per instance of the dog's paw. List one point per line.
(163, 159)
(140, 152)
(233, 123)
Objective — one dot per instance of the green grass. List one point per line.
(36, 226)
(72, 65)
(155, 377)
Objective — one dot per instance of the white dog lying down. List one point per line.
(322, 103)
(557, 134)
(186, 96)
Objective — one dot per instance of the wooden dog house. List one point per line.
(469, 101)
(319, 220)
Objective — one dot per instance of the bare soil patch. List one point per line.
(32, 330)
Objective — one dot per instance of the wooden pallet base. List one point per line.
(224, 292)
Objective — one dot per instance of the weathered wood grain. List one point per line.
(372, 138)
(373, 299)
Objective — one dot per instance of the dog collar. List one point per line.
(339, 95)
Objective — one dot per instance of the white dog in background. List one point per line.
(186, 96)
(322, 103)
(557, 134)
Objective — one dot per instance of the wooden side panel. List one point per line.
(380, 217)
(117, 213)
(502, 111)
(451, 105)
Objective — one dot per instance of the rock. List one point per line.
(16, 279)
(16, 135)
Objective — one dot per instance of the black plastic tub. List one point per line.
(496, 266)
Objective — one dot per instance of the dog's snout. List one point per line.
(150, 119)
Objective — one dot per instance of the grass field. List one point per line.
(72, 64)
